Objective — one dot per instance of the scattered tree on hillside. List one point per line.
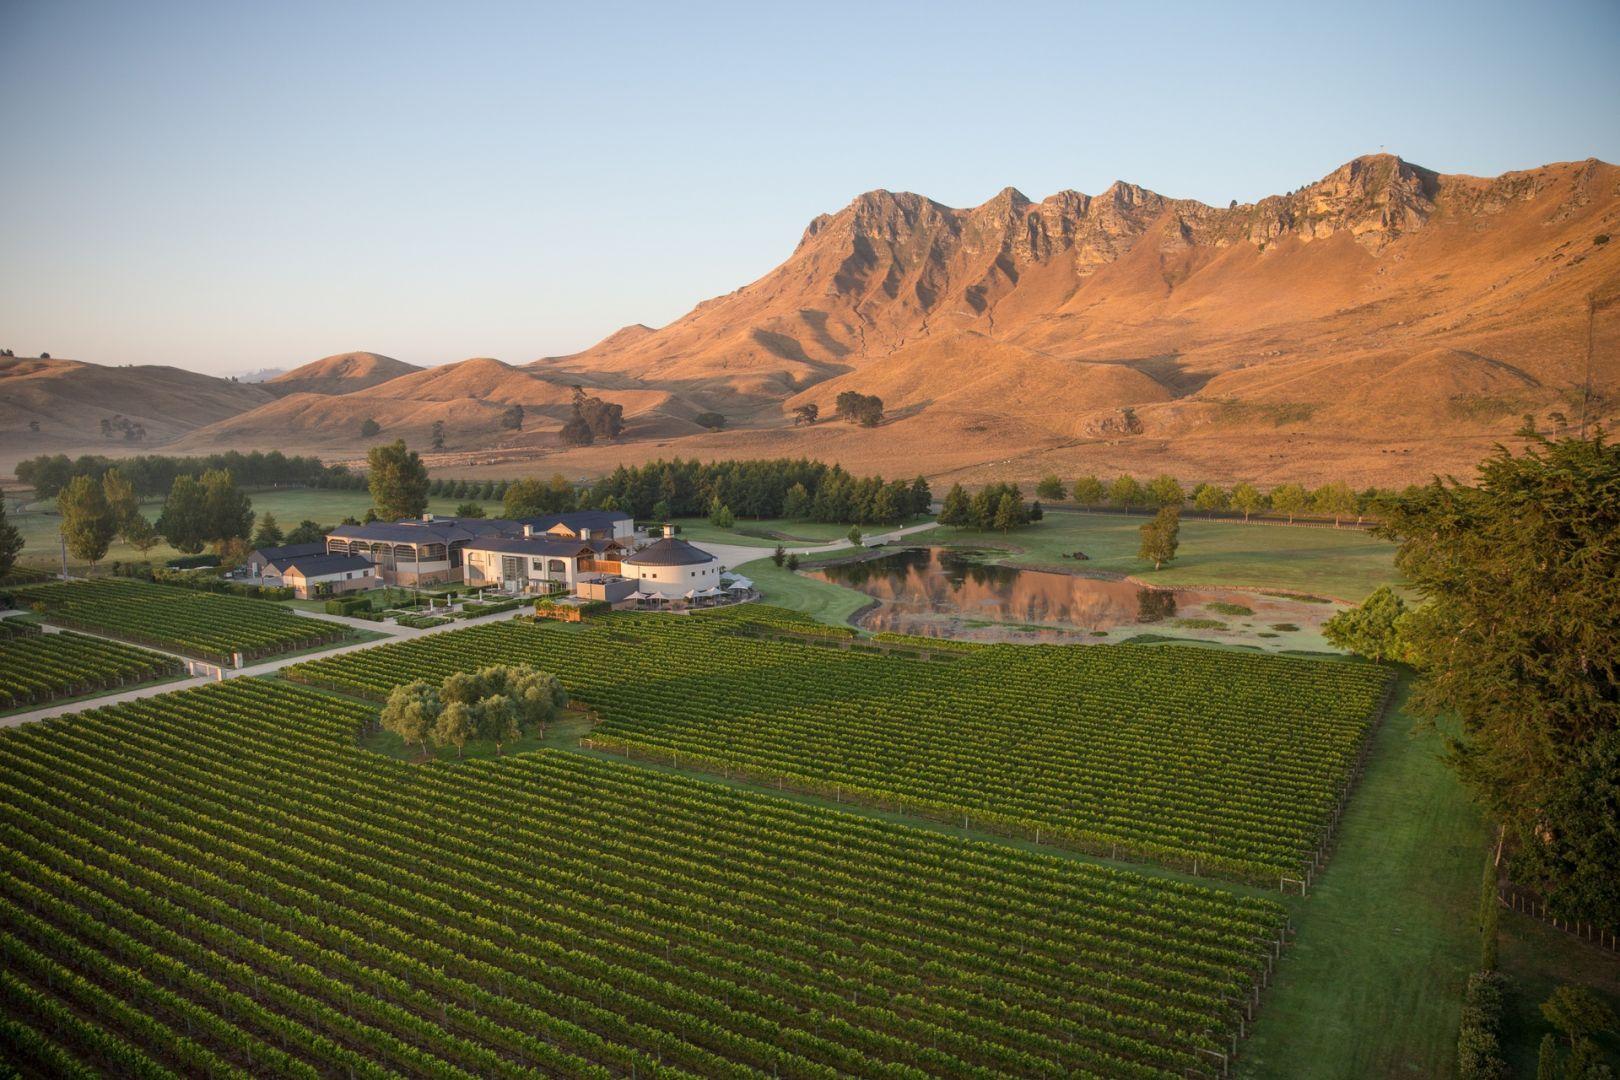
(11, 541)
(1519, 640)
(398, 481)
(712, 420)
(863, 409)
(1247, 498)
(1371, 630)
(1288, 499)
(512, 418)
(470, 510)
(87, 525)
(308, 532)
(806, 414)
(268, 534)
(1161, 536)
(1125, 492)
(1050, 487)
(592, 419)
(438, 434)
(369, 427)
(1088, 492)
(576, 432)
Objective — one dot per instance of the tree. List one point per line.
(1087, 491)
(227, 510)
(470, 510)
(438, 434)
(1578, 848)
(720, 515)
(1009, 513)
(536, 697)
(183, 521)
(308, 532)
(1164, 490)
(1371, 630)
(854, 535)
(398, 481)
(1050, 487)
(1161, 536)
(122, 502)
(87, 522)
(863, 409)
(456, 725)
(793, 561)
(1209, 498)
(712, 420)
(512, 418)
(1125, 492)
(922, 499)
(496, 720)
(1288, 499)
(956, 509)
(369, 428)
(1247, 498)
(806, 414)
(796, 504)
(1035, 512)
(11, 541)
(268, 534)
(1337, 500)
(1578, 1013)
(1518, 638)
(779, 556)
(410, 712)
(577, 433)
(1547, 1058)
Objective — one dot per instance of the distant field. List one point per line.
(1214, 761)
(220, 880)
(40, 524)
(1345, 564)
(201, 624)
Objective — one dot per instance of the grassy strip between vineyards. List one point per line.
(39, 668)
(206, 625)
(221, 880)
(1216, 762)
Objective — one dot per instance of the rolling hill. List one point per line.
(1376, 325)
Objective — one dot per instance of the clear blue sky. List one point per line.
(226, 185)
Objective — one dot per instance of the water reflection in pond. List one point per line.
(946, 592)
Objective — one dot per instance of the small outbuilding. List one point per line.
(309, 576)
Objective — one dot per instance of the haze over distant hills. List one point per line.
(1381, 323)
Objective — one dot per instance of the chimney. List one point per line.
(528, 531)
(669, 531)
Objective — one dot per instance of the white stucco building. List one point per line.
(671, 568)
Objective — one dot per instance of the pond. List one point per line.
(957, 593)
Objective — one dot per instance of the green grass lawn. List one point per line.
(1372, 985)
(821, 600)
(768, 532)
(1345, 564)
(39, 524)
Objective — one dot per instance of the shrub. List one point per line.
(1479, 1041)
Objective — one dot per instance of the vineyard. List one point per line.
(38, 668)
(1213, 761)
(219, 881)
(209, 626)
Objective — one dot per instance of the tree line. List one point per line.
(800, 489)
(1337, 500)
(154, 474)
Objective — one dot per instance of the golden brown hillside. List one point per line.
(341, 374)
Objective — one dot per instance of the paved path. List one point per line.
(732, 556)
(395, 633)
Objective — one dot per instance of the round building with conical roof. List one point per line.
(672, 567)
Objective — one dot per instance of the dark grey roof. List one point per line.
(576, 520)
(317, 565)
(288, 551)
(528, 546)
(669, 551)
